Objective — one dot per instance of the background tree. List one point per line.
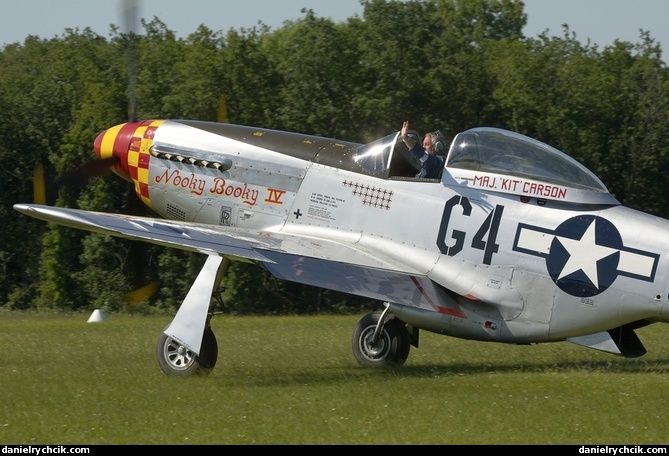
(443, 64)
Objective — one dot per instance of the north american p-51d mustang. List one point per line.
(516, 243)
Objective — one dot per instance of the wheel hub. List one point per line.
(177, 355)
(373, 349)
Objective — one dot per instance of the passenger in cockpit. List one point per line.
(430, 153)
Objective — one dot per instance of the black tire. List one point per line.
(175, 359)
(209, 351)
(392, 348)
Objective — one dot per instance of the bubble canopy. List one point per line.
(498, 151)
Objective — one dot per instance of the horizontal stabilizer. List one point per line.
(621, 341)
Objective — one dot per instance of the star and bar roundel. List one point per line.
(585, 254)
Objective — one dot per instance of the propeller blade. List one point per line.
(131, 29)
(93, 168)
(45, 188)
(223, 110)
(39, 185)
(141, 294)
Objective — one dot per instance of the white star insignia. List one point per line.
(584, 254)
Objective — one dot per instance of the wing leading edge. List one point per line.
(309, 260)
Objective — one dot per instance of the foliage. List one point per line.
(444, 64)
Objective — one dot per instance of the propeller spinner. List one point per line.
(129, 144)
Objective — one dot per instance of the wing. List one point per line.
(310, 260)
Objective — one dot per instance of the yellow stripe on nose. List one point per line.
(107, 144)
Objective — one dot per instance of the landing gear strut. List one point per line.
(179, 341)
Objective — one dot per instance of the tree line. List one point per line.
(443, 64)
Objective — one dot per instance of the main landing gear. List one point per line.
(381, 340)
(174, 350)
(188, 345)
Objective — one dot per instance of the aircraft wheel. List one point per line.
(175, 359)
(390, 350)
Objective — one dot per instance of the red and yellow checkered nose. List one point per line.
(130, 145)
(125, 143)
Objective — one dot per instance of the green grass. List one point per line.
(293, 380)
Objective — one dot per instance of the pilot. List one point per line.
(430, 153)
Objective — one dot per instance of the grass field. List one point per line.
(293, 380)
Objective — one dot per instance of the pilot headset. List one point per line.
(438, 143)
